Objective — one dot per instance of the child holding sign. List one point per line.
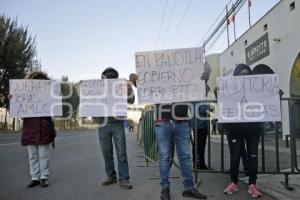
(37, 134)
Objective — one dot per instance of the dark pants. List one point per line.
(244, 153)
(201, 144)
(236, 144)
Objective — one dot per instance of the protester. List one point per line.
(174, 131)
(37, 134)
(113, 129)
(201, 128)
(237, 134)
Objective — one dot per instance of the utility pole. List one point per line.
(249, 12)
(228, 22)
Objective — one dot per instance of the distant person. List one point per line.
(114, 130)
(130, 126)
(214, 126)
(37, 134)
(238, 134)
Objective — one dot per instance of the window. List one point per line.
(246, 42)
(231, 53)
(292, 6)
(265, 27)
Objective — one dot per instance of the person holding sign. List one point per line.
(238, 134)
(172, 129)
(37, 134)
(114, 130)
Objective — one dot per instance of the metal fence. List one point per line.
(148, 140)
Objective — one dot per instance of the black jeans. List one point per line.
(243, 152)
(236, 144)
(201, 144)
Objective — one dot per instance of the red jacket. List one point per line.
(37, 130)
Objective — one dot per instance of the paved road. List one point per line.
(77, 171)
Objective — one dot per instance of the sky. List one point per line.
(80, 38)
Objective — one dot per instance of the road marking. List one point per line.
(57, 138)
(8, 144)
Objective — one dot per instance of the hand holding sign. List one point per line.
(133, 78)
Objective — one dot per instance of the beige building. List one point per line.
(275, 41)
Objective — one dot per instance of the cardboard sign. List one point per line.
(170, 76)
(103, 98)
(35, 98)
(252, 98)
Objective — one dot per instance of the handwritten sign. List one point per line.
(35, 98)
(252, 98)
(103, 98)
(170, 75)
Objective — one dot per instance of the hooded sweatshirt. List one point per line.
(243, 128)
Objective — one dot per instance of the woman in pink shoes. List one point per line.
(238, 134)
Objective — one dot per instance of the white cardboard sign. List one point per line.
(35, 98)
(103, 98)
(169, 76)
(251, 98)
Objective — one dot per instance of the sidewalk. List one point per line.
(211, 184)
(272, 184)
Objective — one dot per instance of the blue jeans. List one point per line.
(39, 161)
(167, 135)
(114, 131)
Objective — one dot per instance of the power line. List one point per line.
(170, 20)
(216, 38)
(180, 23)
(161, 23)
(237, 4)
(213, 24)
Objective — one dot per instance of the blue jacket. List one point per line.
(202, 112)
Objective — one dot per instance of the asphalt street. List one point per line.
(77, 170)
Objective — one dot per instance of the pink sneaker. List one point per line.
(254, 192)
(231, 188)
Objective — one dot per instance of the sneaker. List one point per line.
(254, 192)
(231, 188)
(33, 183)
(44, 183)
(165, 194)
(126, 185)
(109, 181)
(194, 194)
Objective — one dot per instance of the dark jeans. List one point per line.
(201, 144)
(244, 153)
(236, 144)
(114, 131)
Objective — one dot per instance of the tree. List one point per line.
(17, 51)
(71, 100)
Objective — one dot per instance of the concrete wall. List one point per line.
(214, 62)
